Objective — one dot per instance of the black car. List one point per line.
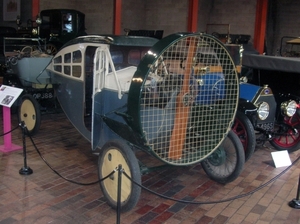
(55, 26)
(268, 108)
(59, 26)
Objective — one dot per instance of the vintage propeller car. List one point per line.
(126, 94)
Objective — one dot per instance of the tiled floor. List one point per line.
(45, 197)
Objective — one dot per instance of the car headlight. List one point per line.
(263, 110)
(34, 31)
(38, 21)
(243, 79)
(288, 108)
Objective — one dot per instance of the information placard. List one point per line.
(8, 95)
(281, 158)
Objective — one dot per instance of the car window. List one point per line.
(117, 57)
(67, 22)
(134, 57)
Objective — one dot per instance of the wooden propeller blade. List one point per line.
(182, 111)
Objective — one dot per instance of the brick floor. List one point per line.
(45, 197)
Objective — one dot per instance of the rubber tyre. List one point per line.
(290, 141)
(113, 154)
(244, 129)
(29, 112)
(226, 163)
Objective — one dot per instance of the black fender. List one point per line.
(247, 108)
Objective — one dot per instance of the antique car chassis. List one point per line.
(128, 93)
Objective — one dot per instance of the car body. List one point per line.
(263, 103)
(129, 93)
(274, 115)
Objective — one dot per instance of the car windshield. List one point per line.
(67, 22)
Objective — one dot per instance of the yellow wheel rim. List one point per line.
(112, 159)
(28, 114)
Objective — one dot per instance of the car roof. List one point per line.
(119, 40)
(61, 11)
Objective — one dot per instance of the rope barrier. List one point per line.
(166, 197)
(10, 131)
(149, 190)
(219, 201)
(69, 180)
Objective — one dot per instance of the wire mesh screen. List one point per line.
(189, 99)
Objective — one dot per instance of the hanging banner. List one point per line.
(11, 9)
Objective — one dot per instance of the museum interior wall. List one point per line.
(172, 16)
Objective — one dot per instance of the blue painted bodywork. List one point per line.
(210, 88)
(248, 91)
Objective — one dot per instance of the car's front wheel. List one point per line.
(287, 135)
(113, 154)
(245, 131)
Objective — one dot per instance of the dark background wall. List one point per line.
(25, 13)
(237, 16)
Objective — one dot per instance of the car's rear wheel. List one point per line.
(243, 128)
(226, 163)
(30, 114)
(288, 134)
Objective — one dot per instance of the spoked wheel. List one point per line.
(288, 136)
(243, 128)
(226, 163)
(51, 49)
(113, 154)
(29, 112)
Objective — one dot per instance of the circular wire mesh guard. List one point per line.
(189, 99)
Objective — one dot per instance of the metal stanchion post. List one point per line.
(119, 193)
(25, 170)
(295, 203)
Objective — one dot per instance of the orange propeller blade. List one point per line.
(182, 110)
